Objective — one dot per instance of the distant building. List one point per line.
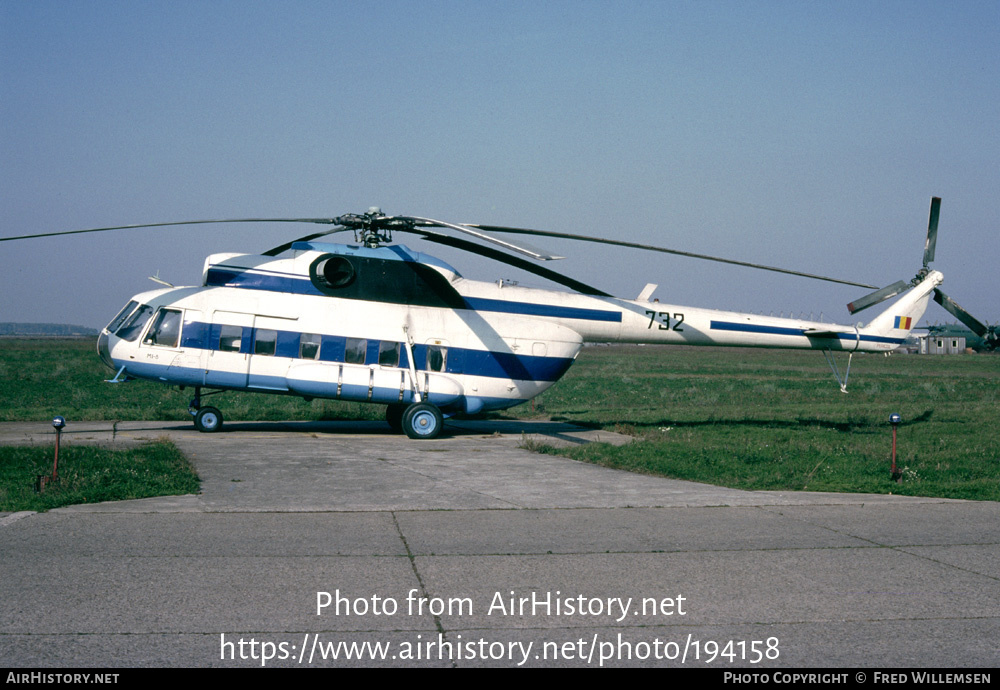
(942, 344)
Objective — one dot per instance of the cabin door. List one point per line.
(230, 343)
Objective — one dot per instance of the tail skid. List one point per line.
(891, 327)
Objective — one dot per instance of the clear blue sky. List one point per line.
(809, 135)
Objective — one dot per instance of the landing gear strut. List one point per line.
(206, 419)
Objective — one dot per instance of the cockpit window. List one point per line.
(166, 329)
(133, 327)
(122, 315)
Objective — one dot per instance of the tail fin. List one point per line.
(898, 320)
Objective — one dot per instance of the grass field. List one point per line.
(753, 419)
(89, 475)
(776, 420)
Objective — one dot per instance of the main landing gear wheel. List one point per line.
(422, 420)
(394, 416)
(208, 420)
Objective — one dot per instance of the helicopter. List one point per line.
(374, 321)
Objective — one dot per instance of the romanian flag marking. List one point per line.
(903, 322)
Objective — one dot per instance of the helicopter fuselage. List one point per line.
(392, 326)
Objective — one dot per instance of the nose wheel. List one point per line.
(206, 419)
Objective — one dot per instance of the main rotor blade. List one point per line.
(274, 251)
(634, 245)
(324, 221)
(517, 262)
(965, 317)
(533, 252)
(932, 227)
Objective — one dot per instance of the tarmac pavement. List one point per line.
(469, 550)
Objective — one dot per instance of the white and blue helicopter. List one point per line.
(376, 322)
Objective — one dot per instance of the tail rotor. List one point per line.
(888, 292)
(990, 334)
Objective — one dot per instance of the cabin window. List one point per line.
(265, 342)
(309, 346)
(230, 338)
(166, 329)
(133, 327)
(388, 354)
(122, 315)
(437, 358)
(355, 350)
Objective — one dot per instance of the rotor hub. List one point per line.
(373, 228)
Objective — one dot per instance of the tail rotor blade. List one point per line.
(932, 228)
(874, 298)
(965, 317)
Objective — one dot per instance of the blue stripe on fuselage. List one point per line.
(778, 330)
(505, 365)
(537, 309)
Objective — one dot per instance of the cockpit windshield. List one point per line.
(122, 315)
(133, 327)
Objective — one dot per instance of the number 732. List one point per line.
(662, 319)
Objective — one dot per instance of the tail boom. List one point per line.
(646, 322)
